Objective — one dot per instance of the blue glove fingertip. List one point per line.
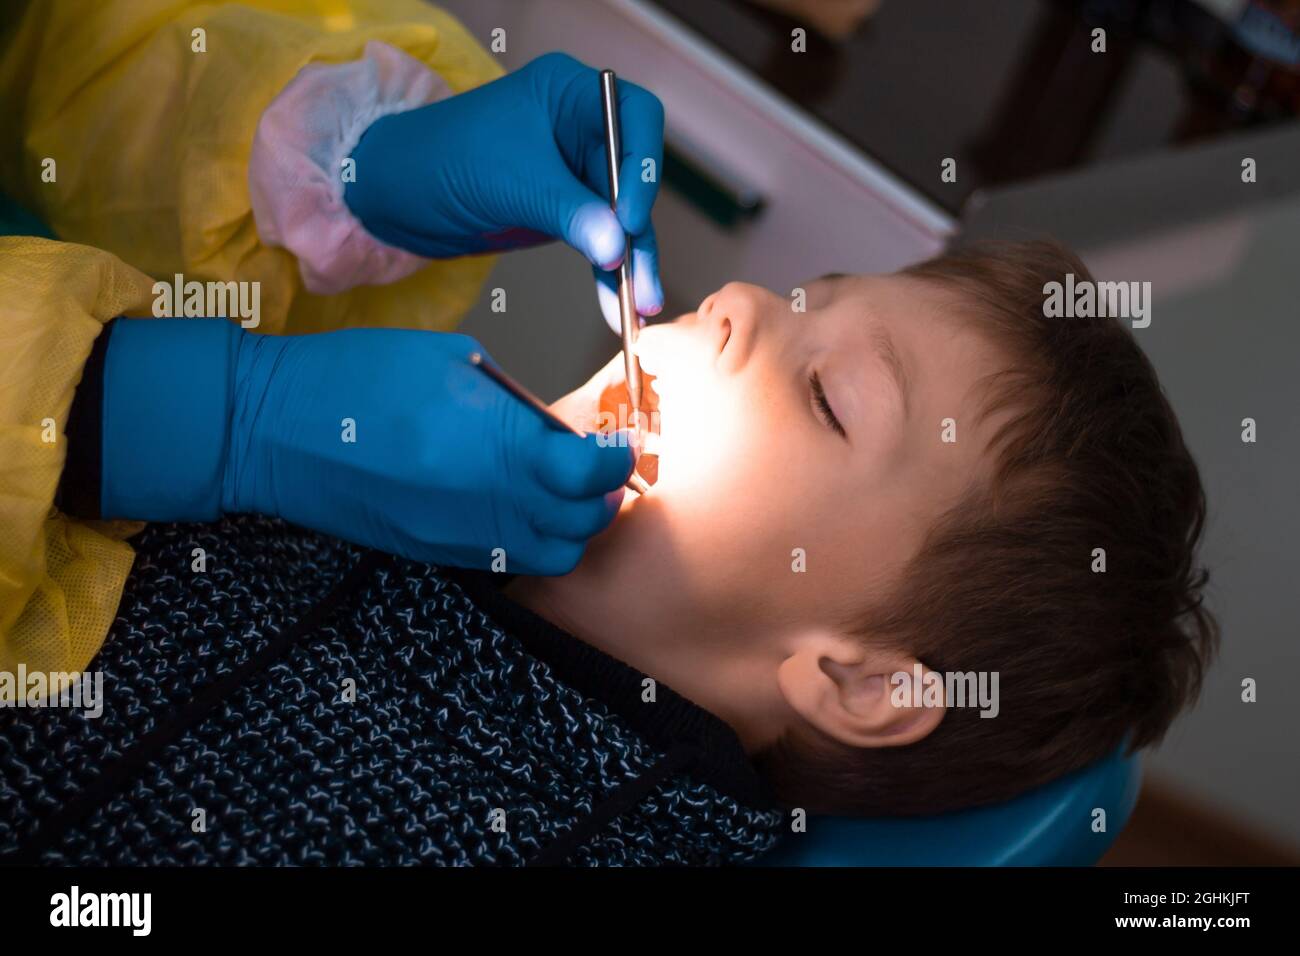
(646, 286)
(608, 299)
(595, 231)
(574, 467)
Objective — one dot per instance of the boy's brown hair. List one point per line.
(1091, 457)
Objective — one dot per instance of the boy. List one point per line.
(916, 475)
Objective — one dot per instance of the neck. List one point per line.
(643, 612)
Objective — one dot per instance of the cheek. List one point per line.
(751, 451)
(749, 496)
(754, 503)
(708, 441)
(768, 565)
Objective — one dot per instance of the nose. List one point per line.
(731, 319)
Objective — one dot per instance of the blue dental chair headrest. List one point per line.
(1049, 826)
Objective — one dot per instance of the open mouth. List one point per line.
(616, 412)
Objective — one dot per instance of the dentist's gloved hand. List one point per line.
(388, 438)
(516, 162)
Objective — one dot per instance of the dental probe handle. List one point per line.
(635, 482)
(628, 318)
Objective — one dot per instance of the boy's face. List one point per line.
(776, 522)
(820, 430)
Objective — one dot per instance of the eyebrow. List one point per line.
(884, 344)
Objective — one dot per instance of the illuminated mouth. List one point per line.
(617, 413)
(673, 366)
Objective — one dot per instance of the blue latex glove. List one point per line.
(515, 162)
(202, 418)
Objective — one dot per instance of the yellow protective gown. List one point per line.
(147, 109)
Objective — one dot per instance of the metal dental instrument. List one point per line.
(629, 321)
(481, 362)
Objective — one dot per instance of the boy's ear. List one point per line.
(858, 695)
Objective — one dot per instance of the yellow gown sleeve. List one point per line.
(128, 126)
(60, 579)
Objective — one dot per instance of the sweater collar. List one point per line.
(671, 720)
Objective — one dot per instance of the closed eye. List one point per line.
(825, 412)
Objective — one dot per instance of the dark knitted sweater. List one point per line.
(479, 733)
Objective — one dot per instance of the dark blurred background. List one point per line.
(1012, 89)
